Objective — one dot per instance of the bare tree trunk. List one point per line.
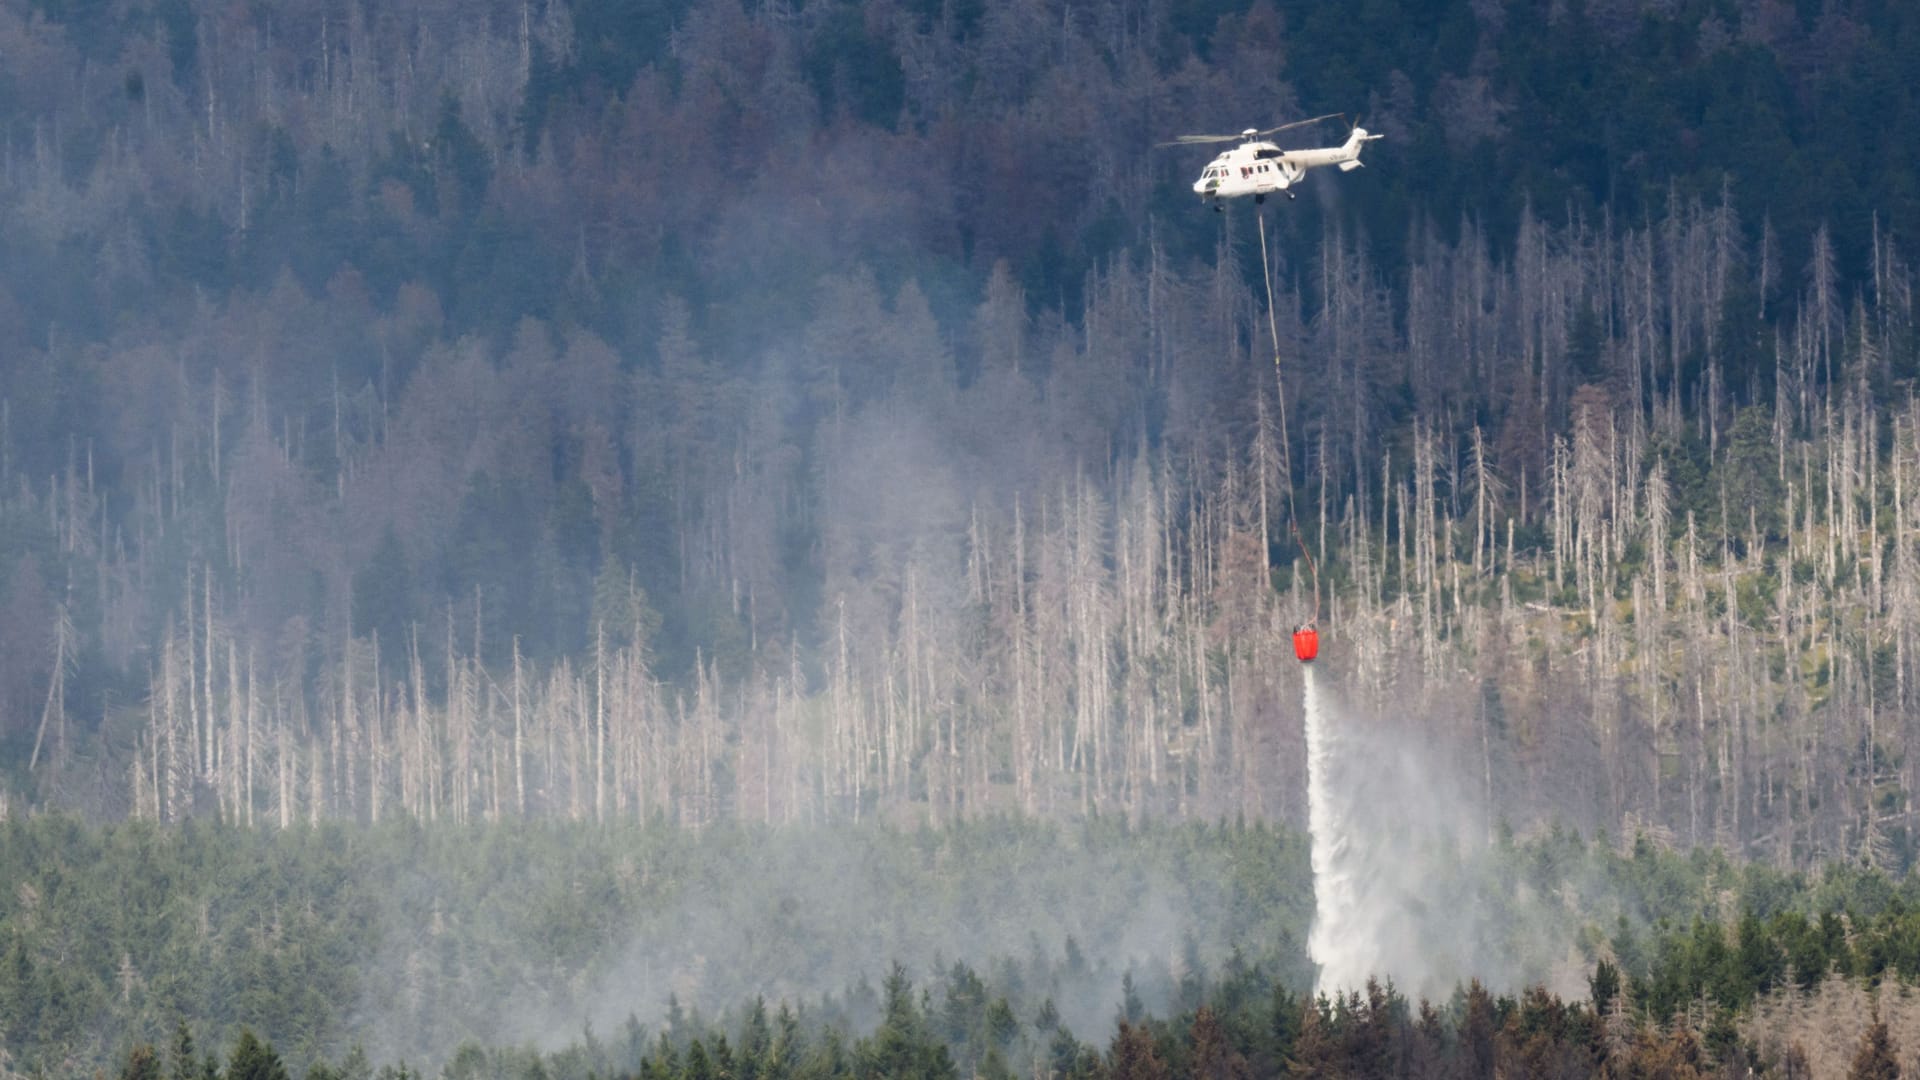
(252, 729)
(316, 783)
(284, 759)
(56, 681)
(195, 736)
(519, 736)
(237, 736)
(206, 681)
(376, 739)
(599, 722)
(170, 721)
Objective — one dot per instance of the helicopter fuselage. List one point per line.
(1258, 167)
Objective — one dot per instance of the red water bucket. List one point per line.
(1306, 644)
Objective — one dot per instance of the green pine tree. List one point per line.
(1604, 985)
(253, 1059)
(185, 1061)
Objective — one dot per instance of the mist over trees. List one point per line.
(803, 413)
(547, 948)
(406, 944)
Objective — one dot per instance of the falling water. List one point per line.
(1341, 945)
(1399, 892)
(1390, 899)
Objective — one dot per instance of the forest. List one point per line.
(424, 425)
(382, 434)
(527, 950)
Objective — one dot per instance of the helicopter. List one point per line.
(1258, 167)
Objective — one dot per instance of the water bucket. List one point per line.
(1306, 644)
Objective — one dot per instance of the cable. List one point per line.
(1286, 444)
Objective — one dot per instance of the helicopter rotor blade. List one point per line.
(1196, 140)
(1301, 123)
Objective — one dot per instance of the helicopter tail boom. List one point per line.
(1346, 155)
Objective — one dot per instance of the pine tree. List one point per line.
(1132, 1056)
(252, 1059)
(1315, 1052)
(1603, 985)
(143, 1063)
(756, 1041)
(1877, 1057)
(185, 1063)
(1214, 1057)
(699, 1066)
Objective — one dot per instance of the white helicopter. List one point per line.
(1258, 167)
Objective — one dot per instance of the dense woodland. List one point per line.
(568, 950)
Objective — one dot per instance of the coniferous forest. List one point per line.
(497, 498)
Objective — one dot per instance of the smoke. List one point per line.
(1405, 887)
(606, 925)
(836, 909)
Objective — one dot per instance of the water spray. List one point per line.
(1343, 951)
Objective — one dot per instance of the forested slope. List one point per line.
(410, 941)
(793, 413)
(563, 950)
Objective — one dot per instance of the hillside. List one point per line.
(841, 411)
